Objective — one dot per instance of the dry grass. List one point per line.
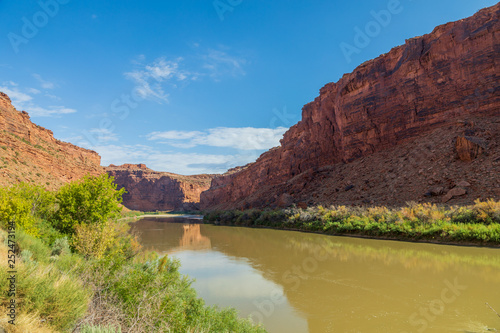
(25, 323)
(47, 299)
(477, 223)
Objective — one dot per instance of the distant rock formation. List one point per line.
(149, 190)
(30, 153)
(419, 88)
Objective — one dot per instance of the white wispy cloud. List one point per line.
(24, 101)
(152, 79)
(219, 63)
(104, 135)
(44, 83)
(16, 96)
(38, 111)
(174, 135)
(34, 91)
(243, 138)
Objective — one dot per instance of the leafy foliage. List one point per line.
(153, 294)
(108, 284)
(27, 205)
(93, 241)
(479, 223)
(91, 201)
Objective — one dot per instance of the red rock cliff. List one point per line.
(425, 84)
(30, 153)
(150, 190)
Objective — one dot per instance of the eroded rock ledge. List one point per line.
(426, 84)
(30, 153)
(149, 190)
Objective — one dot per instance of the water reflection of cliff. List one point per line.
(162, 237)
(258, 245)
(192, 239)
(338, 281)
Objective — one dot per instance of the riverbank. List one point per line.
(478, 224)
(135, 215)
(77, 268)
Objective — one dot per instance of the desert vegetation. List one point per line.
(477, 224)
(80, 270)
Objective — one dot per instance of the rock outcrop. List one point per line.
(424, 86)
(149, 190)
(469, 148)
(30, 153)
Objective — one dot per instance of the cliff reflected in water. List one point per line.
(192, 239)
(323, 283)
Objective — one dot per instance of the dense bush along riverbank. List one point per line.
(476, 224)
(77, 268)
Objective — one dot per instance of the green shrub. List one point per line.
(60, 247)
(91, 201)
(48, 233)
(27, 205)
(477, 223)
(93, 240)
(168, 301)
(43, 289)
(40, 251)
(26, 256)
(56, 297)
(487, 212)
(136, 289)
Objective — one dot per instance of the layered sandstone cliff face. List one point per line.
(423, 86)
(149, 190)
(30, 153)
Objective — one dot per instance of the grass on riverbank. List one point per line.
(79, 270)
(478, 223)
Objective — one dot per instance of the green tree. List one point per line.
(93, 201)
(27, 205)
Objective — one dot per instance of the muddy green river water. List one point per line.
(299, 282)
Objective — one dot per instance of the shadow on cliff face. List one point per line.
(387, 131)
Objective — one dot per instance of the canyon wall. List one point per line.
(149, 190)
(30, 153)
(428, 84)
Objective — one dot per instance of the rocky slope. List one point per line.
(391, 119)
(150, 190)
(30, 153)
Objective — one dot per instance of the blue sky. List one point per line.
(192, 86)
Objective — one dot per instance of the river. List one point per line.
(299, 282)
